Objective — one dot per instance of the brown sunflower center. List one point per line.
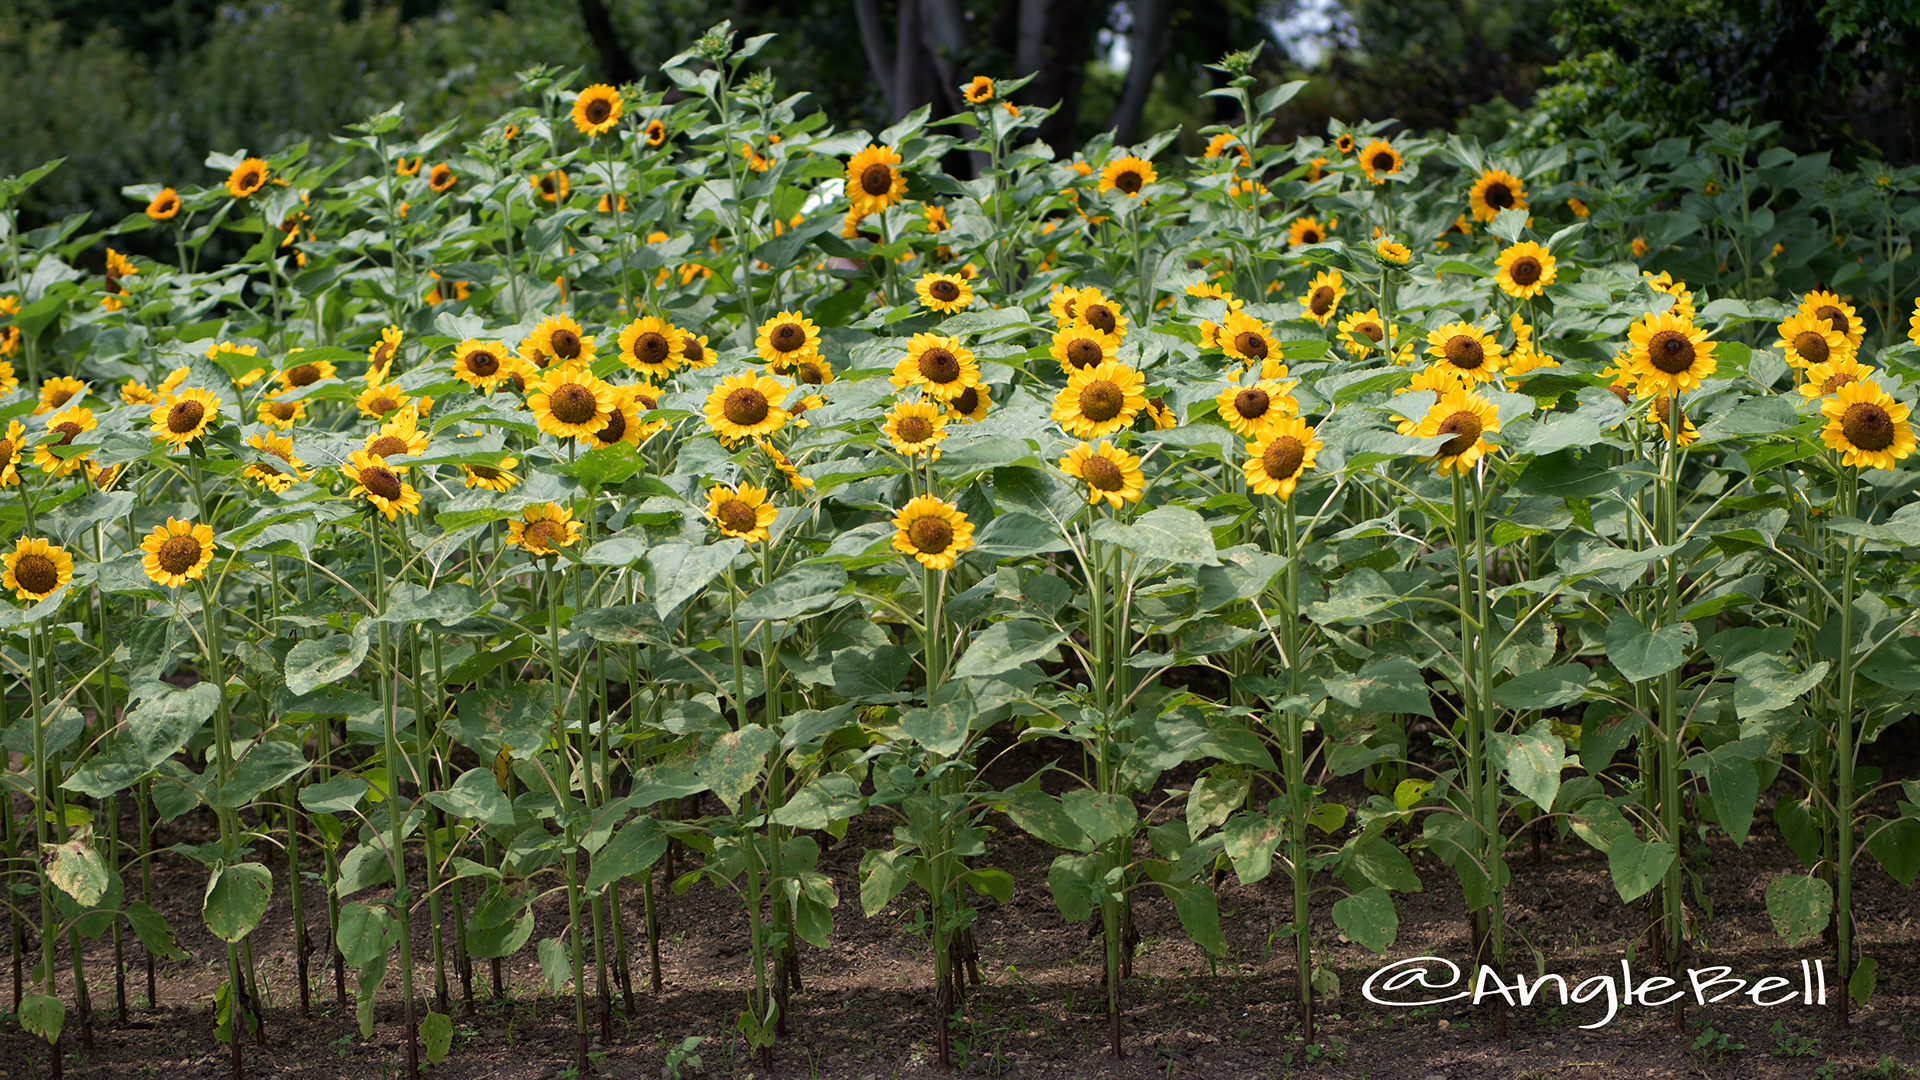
(546, 186)
(1250, 344)
(652, 348)
(811, 373)
(645, 401)
(940, 366)
(483, 363)
(1084, 352)
(913, 429)
(178, 554)
(876, 179)
(1101, 317)
(249, 180)
(566, 344)
(381, 406)
(283, 410)
(1465, 427)
(1383, 162)
(1372, 330)
(787, 337)
(1283, 456)
(303, 375)
(1252, 403)
(695, 354)
(931, 535)
(6, 452)
(541, 534)
(382, 354)
(1465, 352)
(1310, 236)
(1834, 382)
(1499, 196)
(572, 403)
(965, 404)
(1670, 351)
(60, 397)
(1129, 181)
(615, 430)
(738, 517)
(485, 472)
(1101, 401)
(745, 407)
(1321, 300)
(1525, 270)
(1103, 473)
(944, 291)
(1867, 426)
(185, 416)
(36, 573)
(1812, 347)
(387, 446)
(68, 432)
(380, 480)
(1835, 318)
(598, 110)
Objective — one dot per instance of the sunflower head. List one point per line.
(1868, 428)
(441, 178)
(376, 402)
(1079, 345)
(1828, 378)
(1526, 269)
(247, 177)
(1493, 191)
(1323, 295)
(35, 569)
(656, 133)
(183, 417)
(915, 427)
(1839, 314)
(597, 110)
(1363, 331)
(163, 206)
(941, 366)
(1466, 349)
(1807, 340)
(1247, 339)
(1305, 230)
(560, 337)
(1379, 160)
(1392, 252)
(742, 511)
(543, 529)
(1100, 400)
(1344, 142)
(786, 337)
(979, 91)
(746, 405)
(1280, 456)
(1127, 174)
(1112, 475)
(932, 531)
(550, 186)
(381, 485)
(943, 292)
(1465, 418)
(651, 346)
(1669, 355)
(177, 552)
(1249, 410)
(873, 180)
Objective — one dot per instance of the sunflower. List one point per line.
(943, 292)
(1224, 143)
(1064, 304)
(376, 402)
(1669, 355)
(543, 529)
(441, 178)
(1094, 309)
(979, 91)
(1249, 410)
(481, 364)
(250, 378)
(36, 569)
(1305, 230)
(597, 110)
(1496, 190)
(812, 370)
(1100, 400)
(1207, 290)
(933, 531)
(1247, 339)
(164, 206)
(1661, 412)
(1827, 378)
(400, 436)
(1640, 247)
(1323, 295)
(281, 414)
(1127, 174)
(404, 167)
(915, 427)
(269, 477)
(1343, 142)
(9, 340)
(559, 336)
(456, 290)
(493, 477)
(651, 347)
(305, 374)
(1280, 456)
(971, 405)
(1379, 160)
(1526, 269)
(786, 337)
(1361, 327)
(177, 552)
(1807, 340)
(1579, 208)
(57, 391)
(1913, 324)
(623, 421)
(656, 133)
(9, 381)
(743, 406)
(381, 353)
(1837, 312)
(1867, 427)
(1468, 350)
(118, 266)
(550, 186)
(247, 177)
(10, 450)
(799, 404)
(1078, 345)
(1466, 417)
(1682, 296)
(185, 416)
(1439, 378)
(571, 403)
(1112, 475)
(940, 366)
(741, 512)
(873, 184)
(1391, 252)
(694, 347)
(381, 484)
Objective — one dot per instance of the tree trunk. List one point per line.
(873, 37)
(1053, 38)
(615, 65)
(1148, 46)
(915, 81)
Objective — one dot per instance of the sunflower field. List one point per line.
(630, 502)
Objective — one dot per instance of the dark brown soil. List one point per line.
(1040, 1013)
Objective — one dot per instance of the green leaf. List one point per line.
(1385, 865)
(1385, 686)
(1767, 684)
(1548, 688)
(161, 726)
(1216, 796)
(1015, 535)
(1368, 918)
(1250, 840)
(1637, 865)
(486, 720)
(1327, 817)
(1043, 816)
(1171, 534)
(1896, 846)
(364, 867)
(1799, 906)
(1639, 653)
(43, 1015)
(1072, 880)
(1865, 977)
(883, 875)
(632, 849)
(336, 796)
(734, 766)
(152, 930)
(556, 962)
(316, 663)
(1199, 911)
(1101, 816)
(1007, 645)
(436, 1036)
(861, 674)
(678, 572)
(77, 870)
(1532, 762)
(503, 940)
(235, 900)
(475, 796)
(797, 592)
(266, 765)
(366, 933)
(439, 608)
(942, 729)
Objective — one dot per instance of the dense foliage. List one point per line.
(629, 497)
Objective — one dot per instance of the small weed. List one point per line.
(1788, 1045)
(1331, 1052)
(1715, 1047)
(1887, 1068)
(684, 1056)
